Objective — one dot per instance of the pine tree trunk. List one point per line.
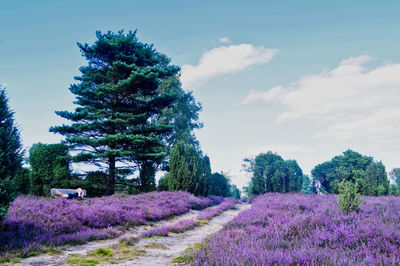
(111, 176)
(147, 181)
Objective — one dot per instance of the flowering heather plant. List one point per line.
(285, 229)
(188, 224)
(36, 221)
(209, 213)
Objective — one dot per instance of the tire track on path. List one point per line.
(177, 243)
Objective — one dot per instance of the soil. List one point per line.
(159, 250)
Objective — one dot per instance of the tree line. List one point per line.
(270, 173)
(132, 119)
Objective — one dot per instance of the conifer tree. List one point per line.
(185, 168)
(10, 153)
(119, 97)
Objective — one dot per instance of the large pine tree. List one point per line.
(119, 98)
(10, 153)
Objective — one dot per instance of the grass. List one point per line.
(156, 245)
(201, 222)
(185, 258)
(15, 260)
(117, 253)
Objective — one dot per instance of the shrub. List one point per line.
(349, 199)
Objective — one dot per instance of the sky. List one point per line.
(307, 79)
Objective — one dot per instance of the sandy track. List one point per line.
(61, 259)
(175, 243)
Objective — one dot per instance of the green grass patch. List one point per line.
(103, 252)
(114, 254)
(201, 222)
(83, 261)
(156, 245)
(15, 260)
(185, 257)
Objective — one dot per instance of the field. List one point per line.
(310, 230)
(36, 222)
(280, 229)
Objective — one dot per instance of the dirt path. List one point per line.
(175, 243)
(165, 249)
(61, 259)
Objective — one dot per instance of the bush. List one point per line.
(163, 183)
(50, 168)
(381, 190)
(393, 190)
(349, 199)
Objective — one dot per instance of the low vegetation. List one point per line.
(112, 255)
(34, 222)
(292, 229)
(187, 224)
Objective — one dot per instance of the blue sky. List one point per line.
(307, 80)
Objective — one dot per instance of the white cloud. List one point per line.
(224, 60)
(352, 101)
(224, 40)
(285, 150)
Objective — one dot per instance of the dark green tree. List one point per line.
(185, 168)
(183, 114)
(95, 184)
(376, 179)
(235, 192)
(50, 164)
(273, 174)
(351, 166)
(120, 98)
(395, 177)
(204, 175)
(163, 183)
(10, 153)
(394, 190)
(22, 181)
(219, 185)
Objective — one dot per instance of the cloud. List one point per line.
(286, 150)
(224, 60)
(224, 40)
(352, 101)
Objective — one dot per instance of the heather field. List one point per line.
(36, 222)
(288, 229)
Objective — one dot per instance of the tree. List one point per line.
(376, 179)
(183, 114)
(10, 153)
(120, 100)
(205, 175)
(235, 192)
(22, 181)
(307, 187)
(395, 177)
(351, 166)
(95, 184)
(219, 185)
(50, 164)
(163, 183)
(394, 190)
(273, 174)
(186, 171)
